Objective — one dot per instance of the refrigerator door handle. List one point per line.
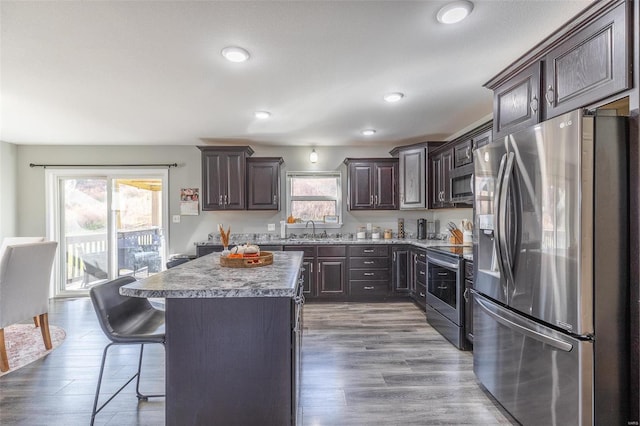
(553, 342)
(497, 220)
(505, 253)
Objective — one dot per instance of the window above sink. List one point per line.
(314, 196)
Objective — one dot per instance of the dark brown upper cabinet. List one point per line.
(516, 103)
(372, 183)
(223, 177)
(441, 164)
(591, 65)
(584, 62)
(263, 183)
(451, 168)
(412, 185)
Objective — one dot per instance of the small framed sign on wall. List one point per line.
(189, 201)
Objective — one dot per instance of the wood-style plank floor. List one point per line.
(362, 364)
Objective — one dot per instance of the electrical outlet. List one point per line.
(176, 218)
(271, 227)
(369, 227)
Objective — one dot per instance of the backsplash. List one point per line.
(252, 225)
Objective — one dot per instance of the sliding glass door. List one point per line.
(109, 224)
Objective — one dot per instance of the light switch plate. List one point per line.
(176, 218)
(271, 227)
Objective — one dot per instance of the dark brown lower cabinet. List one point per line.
(400, 269)
(309, 269)
(468, 302)
(332, 277)
(369, 272)
(232, 361)
(418, 284)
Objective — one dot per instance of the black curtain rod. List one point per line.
(103, 165)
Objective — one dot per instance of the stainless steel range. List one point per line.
(445, 287)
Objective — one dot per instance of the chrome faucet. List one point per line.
(314, 228)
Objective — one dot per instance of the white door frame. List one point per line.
(53, 210)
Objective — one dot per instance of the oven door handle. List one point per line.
(442, 263)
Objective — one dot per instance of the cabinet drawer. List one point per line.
(421, 273)
(369, 251)
(421, 293)
(369, 262)
(369, 274)
(421, 256)
(309, 251)
(332, 251)
(369, 288)
(468, 270)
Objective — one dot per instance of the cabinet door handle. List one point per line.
(368, 262)
(368, 287)
(375, 198)
(546, 95)
(467, 153)
(466, 294)
(371, 200)
(367, 251)
(421, 294)
(443, 274)
(471, 184)
(394, 256)
(220, 200)
(368, 274)
(275, 199)
(534, 105)
(421, 272)
(311, 264)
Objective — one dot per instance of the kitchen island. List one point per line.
(232, 340)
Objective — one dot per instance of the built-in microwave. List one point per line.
(462, 184)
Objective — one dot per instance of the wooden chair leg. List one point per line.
(44, 328)
(36, 321)
(4, 361)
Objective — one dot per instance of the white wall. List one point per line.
(191, 229)
(8, 201)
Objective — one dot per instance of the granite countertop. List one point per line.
(331, 241)
(205, 278)
(327, 241)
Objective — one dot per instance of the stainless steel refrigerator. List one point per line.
(551, 280)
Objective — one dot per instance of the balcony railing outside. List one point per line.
(138, 251)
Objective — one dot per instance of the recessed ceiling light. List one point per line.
(454, 12)
(368, 132)
(235, 54)
(262, 115)
(393, 97)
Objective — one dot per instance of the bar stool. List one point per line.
(125, 321)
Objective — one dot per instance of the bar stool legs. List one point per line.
(141, 397)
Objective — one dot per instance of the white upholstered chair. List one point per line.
(14, 241)
(25, 274)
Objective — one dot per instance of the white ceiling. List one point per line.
(150, 72)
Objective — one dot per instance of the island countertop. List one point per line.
(204, 277)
